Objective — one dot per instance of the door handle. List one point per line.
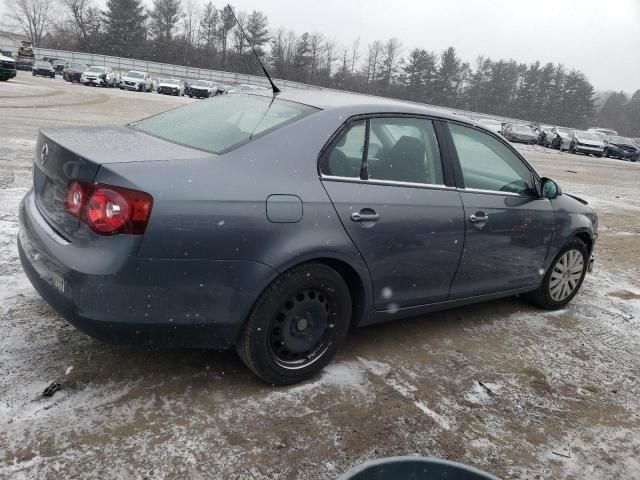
(365, 217)
(479, 217)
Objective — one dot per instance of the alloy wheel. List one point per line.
(566, 275)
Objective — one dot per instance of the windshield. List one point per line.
(522, 129)
(589, 136)
(135, 75)
(563, 131)
(96, 69)
(222, 122)
(78, 66)
(622, 140)
(43, 64)
(170, 81)
(202, 83)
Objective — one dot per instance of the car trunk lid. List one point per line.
(76, 153)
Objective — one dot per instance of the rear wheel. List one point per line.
(564, 278)
(296, 325)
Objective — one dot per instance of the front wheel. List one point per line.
(564, 278)
(296, 325)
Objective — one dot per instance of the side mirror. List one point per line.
(550, 189)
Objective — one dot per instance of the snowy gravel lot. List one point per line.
(513, 390)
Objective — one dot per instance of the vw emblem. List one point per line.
(44, 153)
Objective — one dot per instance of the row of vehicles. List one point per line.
(132, 80)
(595, 141)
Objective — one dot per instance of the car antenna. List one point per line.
(273, 85)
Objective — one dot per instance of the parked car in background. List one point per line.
(222, 88)
(588, 143)
(203, 89)
(98, 76)
(43, 69)
(518, 132)
(7, 68)
(246, 87)
(136, 80)
(493, 125)
(435, 194)
(73, 71)
(561, 138)
(605, 131)
(623, 148)
(155, 81)
(171, 86)
(58, 65)
(545, 135)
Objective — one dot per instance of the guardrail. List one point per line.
(166, 69)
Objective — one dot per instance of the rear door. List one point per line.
(386, 181)
(508, 225)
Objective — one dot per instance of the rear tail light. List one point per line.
(107, 209)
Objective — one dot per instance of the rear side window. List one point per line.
(488, 164)
(404, 150)
(399, 149)
(224, 122)
(344, 159)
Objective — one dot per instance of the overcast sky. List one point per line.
(599, 37)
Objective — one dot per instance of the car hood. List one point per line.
(131, 79)
(6, 59)
(170, 85)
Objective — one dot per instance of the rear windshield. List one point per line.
(223, 122)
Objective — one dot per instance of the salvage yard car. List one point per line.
(43, 69)
(621, 147)
(100, 76)
(516, 132)
(7, 68)
(561, 138)
(493, 125)
(203, 89)
(276, 223)
(73, 72)
(134, 80)
(171, 86)
(586, 142)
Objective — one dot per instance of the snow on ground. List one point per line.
(513, 390)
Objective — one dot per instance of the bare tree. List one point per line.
(330, 56)
(85, 20)
(355, 54)
(33, 17)
(316, 50)
(190, 26)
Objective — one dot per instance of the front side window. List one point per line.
(404, 150)
(488, 164)
(223, 122)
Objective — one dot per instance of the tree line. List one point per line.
(206, 35)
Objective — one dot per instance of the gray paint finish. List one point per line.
(223, 227)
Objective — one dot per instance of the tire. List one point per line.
(543, 297)
(296, 325)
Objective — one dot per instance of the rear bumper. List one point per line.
(181, 303)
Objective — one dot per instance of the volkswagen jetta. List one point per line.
(275, 223)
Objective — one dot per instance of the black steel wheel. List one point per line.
(296, 325)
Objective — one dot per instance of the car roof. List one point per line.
(359, 103)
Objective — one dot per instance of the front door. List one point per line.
(508, 226)
(407, 225)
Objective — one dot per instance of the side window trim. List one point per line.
(458, 168)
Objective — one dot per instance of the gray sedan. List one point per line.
(274, 224)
